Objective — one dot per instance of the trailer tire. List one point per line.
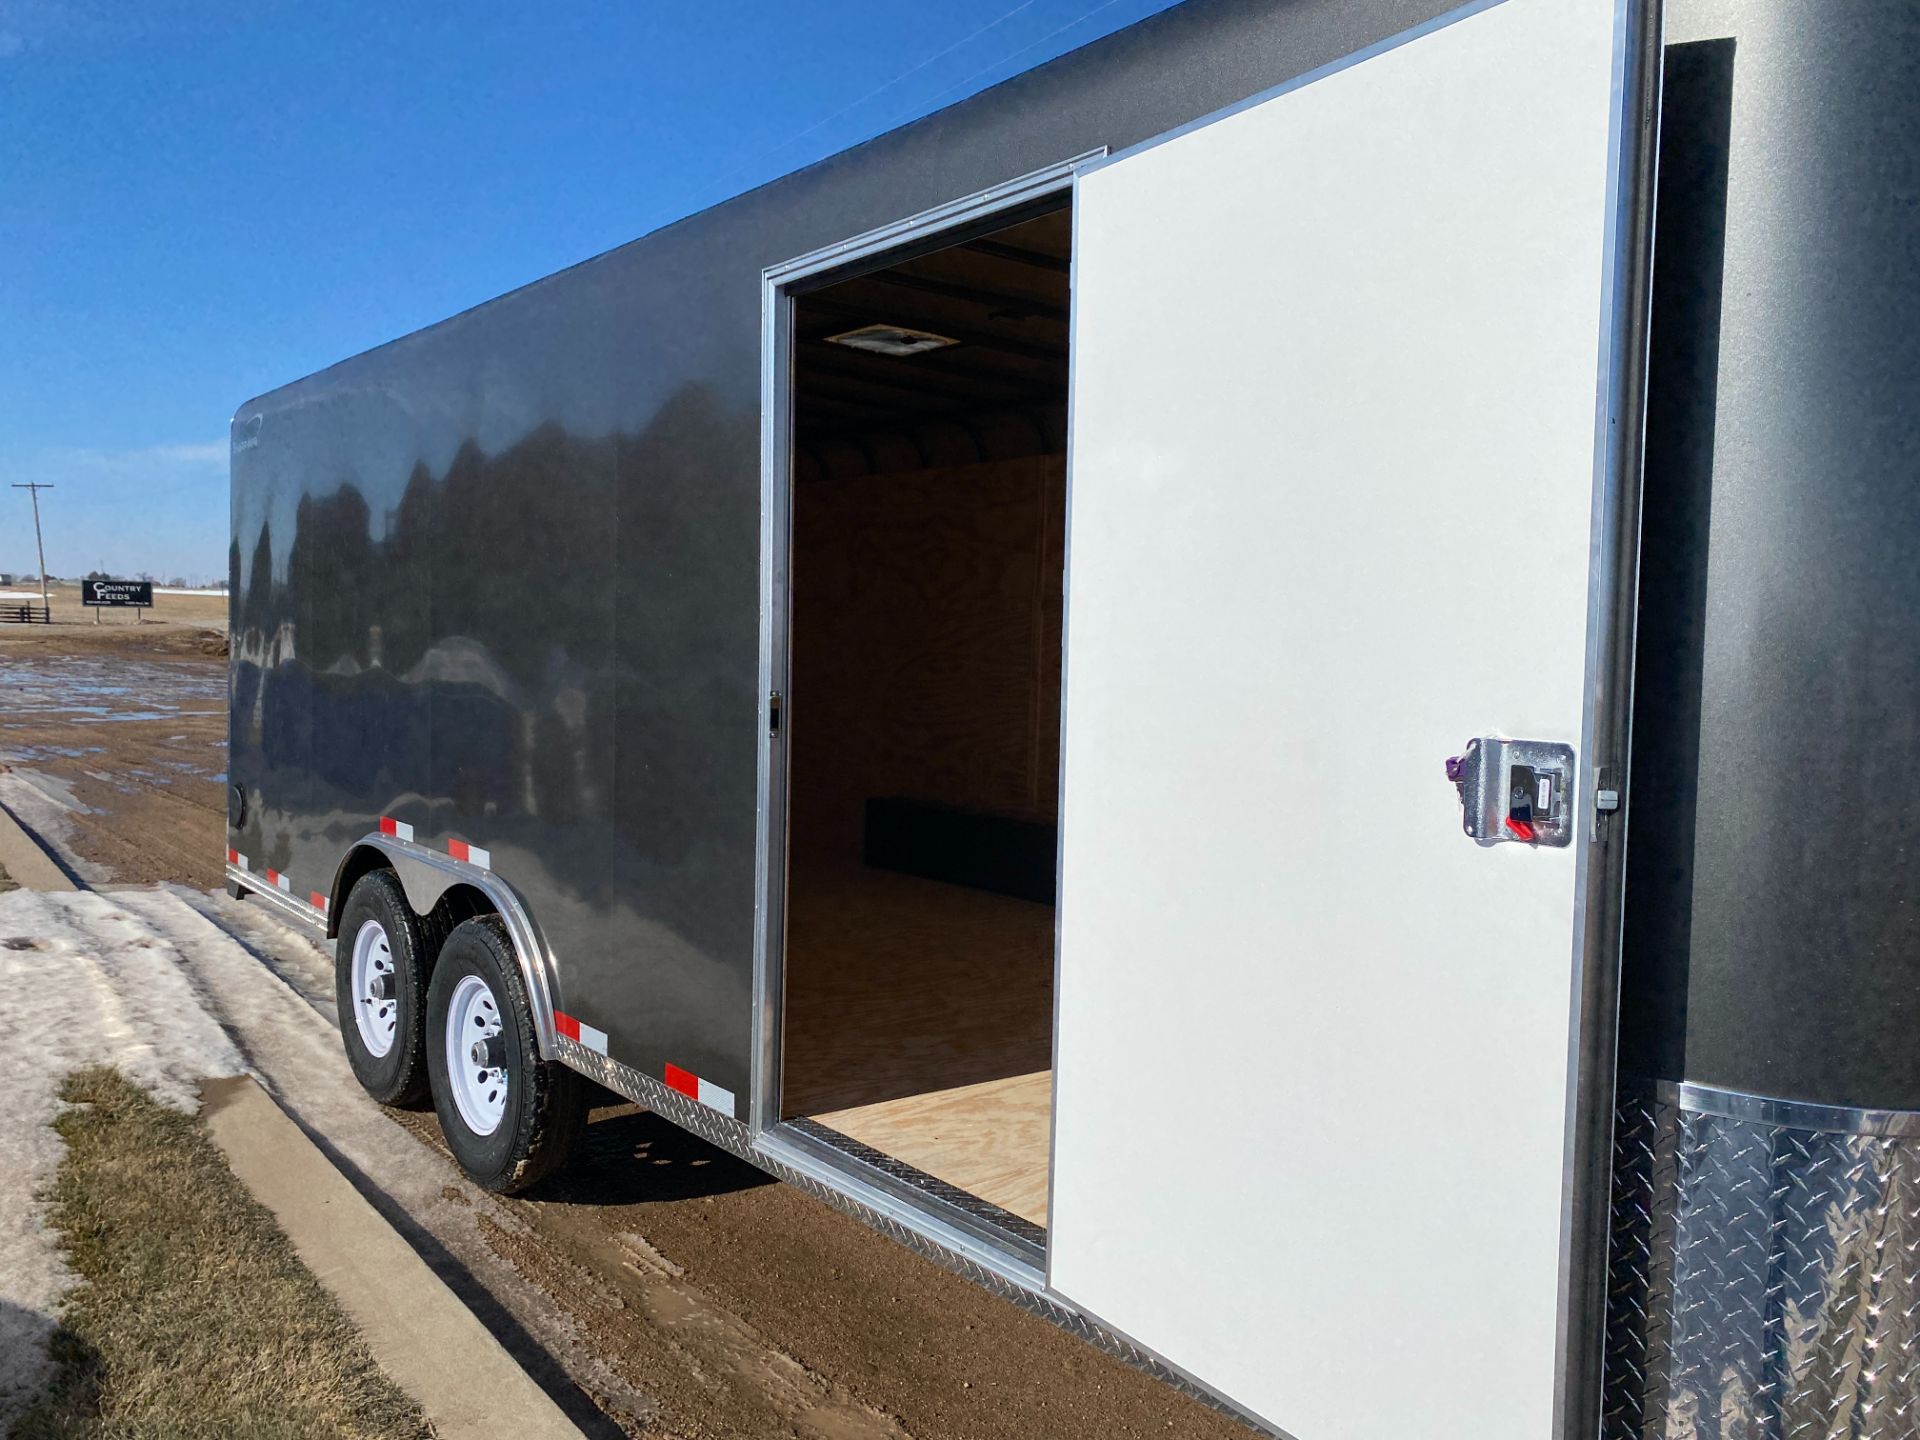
(508, 1116)
(381, 943)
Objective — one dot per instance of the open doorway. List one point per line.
(927, 555)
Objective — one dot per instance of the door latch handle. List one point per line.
(1515, 790)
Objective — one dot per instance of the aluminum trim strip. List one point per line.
(828, 1174)
(1004, 196)
(769, 861)
(1022, 1239)
(1605, 738)
(1698, 1099)
(294, 909)
(1066, 635)
(776, 424)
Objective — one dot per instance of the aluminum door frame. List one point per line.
(1612, 618)
(776, 503)
(1612, 607)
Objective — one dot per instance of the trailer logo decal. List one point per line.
(399, 829)
(580, 1032)
(717, 1097)
(274, 877)
(472, 854)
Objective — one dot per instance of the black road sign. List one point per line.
(117, 592)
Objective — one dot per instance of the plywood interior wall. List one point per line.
(926, 611)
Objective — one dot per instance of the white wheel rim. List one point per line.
(376, 1000)
(476, 1062)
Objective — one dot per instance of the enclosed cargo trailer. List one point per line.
(1062, 680)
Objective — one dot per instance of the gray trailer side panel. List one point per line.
(545, 514)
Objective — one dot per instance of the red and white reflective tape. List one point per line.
(275, 878)
(580, 1032)
(458, 849)
(472, 854)
(716, 1097)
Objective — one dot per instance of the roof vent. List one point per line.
(891, 340)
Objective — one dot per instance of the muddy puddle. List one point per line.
(39, 701)
(88, 690)
(122, 759)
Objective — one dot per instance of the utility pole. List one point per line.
(34, 489)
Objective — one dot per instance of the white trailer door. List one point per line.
(1338, 359)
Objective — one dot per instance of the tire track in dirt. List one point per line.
(715, 1375)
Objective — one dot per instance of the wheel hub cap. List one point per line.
(376, 1011)
(487, 1054)
(476, 1055)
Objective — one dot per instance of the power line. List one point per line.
(871, 94)
(1015, 55)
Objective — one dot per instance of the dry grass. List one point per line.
(64, 597)
(194, 1318)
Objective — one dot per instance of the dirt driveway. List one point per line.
(683, 1292)
(113, 737)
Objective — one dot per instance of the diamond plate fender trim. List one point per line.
(1788, 1114)
(1765, 1274)
(1024, 1240)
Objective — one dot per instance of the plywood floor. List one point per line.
(988, 1139)
(919, 1021)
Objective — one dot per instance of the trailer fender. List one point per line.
(426, 876)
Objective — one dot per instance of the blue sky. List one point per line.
(200, 200)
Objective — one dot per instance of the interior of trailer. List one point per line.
(927, 554)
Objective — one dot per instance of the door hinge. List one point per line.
(773, 714)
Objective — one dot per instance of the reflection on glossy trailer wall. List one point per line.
(1211, 445)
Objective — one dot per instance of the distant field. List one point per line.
(169, 608)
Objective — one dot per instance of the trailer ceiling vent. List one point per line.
(891, 340)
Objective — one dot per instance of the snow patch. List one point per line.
(267, 985)
(87, 981)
